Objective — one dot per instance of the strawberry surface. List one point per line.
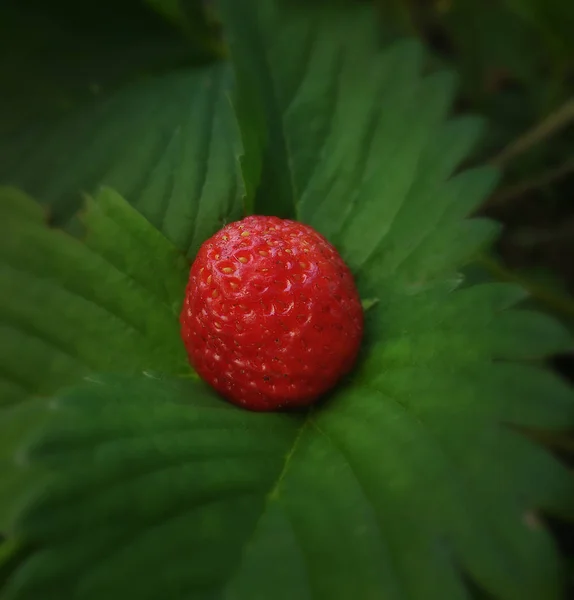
(271, 316)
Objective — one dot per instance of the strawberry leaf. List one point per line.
(195, 19)
(357, 143)
(136, 116)
(165, 143)
(200, 468)
(409, 469)
(59, 55)
(76, 307)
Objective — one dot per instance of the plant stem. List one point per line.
(553, 123)
(517, 190)
(560, 303)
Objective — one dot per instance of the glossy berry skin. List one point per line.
(271, 317)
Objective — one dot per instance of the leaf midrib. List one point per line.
(461, 482)
(271, 496)
(399, 579)
(58, 285)
(206, 134)
(273, 104)
(152, 294)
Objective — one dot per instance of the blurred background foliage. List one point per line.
(515, 59)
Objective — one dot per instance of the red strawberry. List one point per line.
(271, 316)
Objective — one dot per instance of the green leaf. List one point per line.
(109, 302)
(200, 468)
(166, 143)
(159, 488)
(194, 19)
(545, 291)
(56, 56)
(507, 50)
(552, 17)
(124, 283)
(136, 116)
(357, 144)
(510, 68)
(17, 422)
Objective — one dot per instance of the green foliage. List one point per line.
(172, 488)
(409, 480)
(355, 143)
(545, 291)
(81, 306)
(163, 139)
(78, 306)
(166, 143)
(514, 58)
(195, 20)
(187, 495)
(552, 17)
(56, 56)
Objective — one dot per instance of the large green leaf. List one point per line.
(194, 18)
(110, 301)
(166, 143)
(125, 109)
(406, 479)
(70, 307)
(358, 139)
(195, 470)
(58, 55)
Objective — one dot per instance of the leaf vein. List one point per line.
(149, 292)
(305, 64)
(17, 381)
(28, 329)
(207, 135)
(339, 448)
(256, 36)
(334, 94)
(272, 495)
(121, 478)
(466, 491)
(58, 284)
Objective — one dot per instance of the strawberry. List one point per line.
(271, 317)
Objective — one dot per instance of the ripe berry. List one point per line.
(271, 316)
